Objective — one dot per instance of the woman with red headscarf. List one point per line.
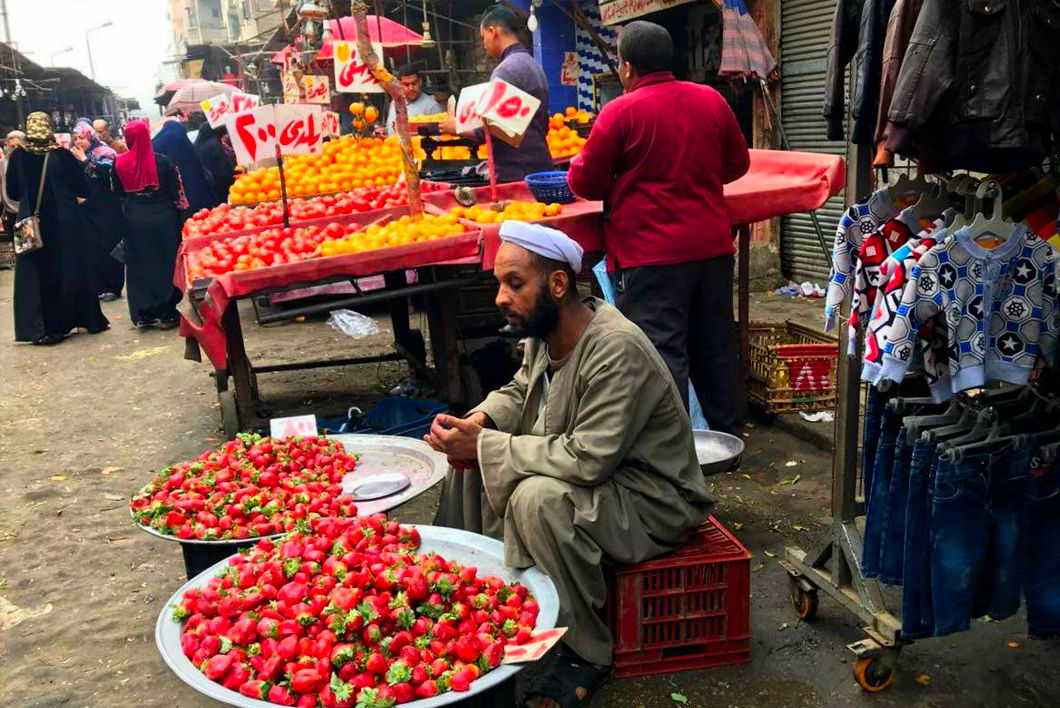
(155, 208)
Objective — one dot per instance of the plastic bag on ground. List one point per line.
(353, 324)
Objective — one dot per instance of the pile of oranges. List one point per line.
(432, 118)
(563, 140)
(514, 210)
(400, 232)
(345, 164)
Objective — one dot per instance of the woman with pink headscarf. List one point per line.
(102, 209)
(155, 208)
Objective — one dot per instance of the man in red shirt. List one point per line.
(658, 156)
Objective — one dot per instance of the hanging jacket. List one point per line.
(991, 67)
(899, 31)
(869, 60)
(845, 31)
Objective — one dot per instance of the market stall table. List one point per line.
(212, 318)
(493, 689)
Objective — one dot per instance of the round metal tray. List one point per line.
(377, 454)
(462, 546)
(716, 451)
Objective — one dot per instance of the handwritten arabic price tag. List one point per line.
(351, 73)
(537, 647)
(332, 127)
(316, 89)
(468, 116)
(303, 426)
(216, 109)
(299, 130)
(508, 111)
(243, 102)
(253, 135)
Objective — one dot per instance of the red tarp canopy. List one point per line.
(392, 35)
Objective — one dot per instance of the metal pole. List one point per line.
(91, 65)
(7, 25)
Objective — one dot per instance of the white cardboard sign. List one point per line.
(304, 426)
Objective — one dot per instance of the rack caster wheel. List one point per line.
(876, 672)
(802, 599)
(229, 414)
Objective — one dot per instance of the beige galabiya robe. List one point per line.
(606, 470)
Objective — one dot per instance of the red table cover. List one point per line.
(778, 182)
(223, 289)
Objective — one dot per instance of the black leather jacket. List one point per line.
(845, 31)
(985, 72)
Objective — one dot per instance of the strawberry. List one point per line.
(427, 689)
(376, 664)
(255, 689)
(280, 695)
(306, 681)
(218, 666)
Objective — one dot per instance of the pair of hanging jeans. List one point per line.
(875, 405)
(892, 533)
(890, 428)
(917, 616)
(977, 519)
(1041, 586)
(1006, 507)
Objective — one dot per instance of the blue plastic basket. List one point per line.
(550, 187)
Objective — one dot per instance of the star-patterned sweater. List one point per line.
(999, 305)
(859, 221)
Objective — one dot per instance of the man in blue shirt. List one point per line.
(419, 103)
(500, 29)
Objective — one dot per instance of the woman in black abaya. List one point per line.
(155, 208)
(53, 285)
(217, 158)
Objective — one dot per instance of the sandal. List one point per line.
(561, 679)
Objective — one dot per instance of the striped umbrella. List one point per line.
(744, 54)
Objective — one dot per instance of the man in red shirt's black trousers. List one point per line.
(658, 156)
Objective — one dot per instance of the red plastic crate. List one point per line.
(686, 610)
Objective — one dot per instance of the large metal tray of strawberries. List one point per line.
(464, 547)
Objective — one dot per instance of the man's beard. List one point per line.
(540, 322)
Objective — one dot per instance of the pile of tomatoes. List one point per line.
(225, 218)
(348, 613)
(251, 486)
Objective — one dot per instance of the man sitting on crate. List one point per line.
(586, 455)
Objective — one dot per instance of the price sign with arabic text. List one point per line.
(291, 91)
(468, 115)
(243, 102)
(297, 130)
(222, 105)
(351, 73)
(316, 89)
(331, 126)
(508, 111)
(216, 109)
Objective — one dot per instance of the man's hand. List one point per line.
(448, 125)
(457, 438)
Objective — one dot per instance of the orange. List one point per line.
(357, 108)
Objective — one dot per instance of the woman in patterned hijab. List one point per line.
(40, 136)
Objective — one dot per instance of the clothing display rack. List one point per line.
(839, 567)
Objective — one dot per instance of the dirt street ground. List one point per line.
(83, 424)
